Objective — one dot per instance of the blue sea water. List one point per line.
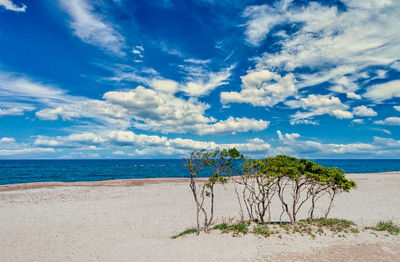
(24, 171)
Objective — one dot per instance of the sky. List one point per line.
(159, 78)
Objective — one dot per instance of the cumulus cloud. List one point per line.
(391, 121)
(383, 91)
(262, 88)
(364, 111)
(159, 108)
(9, 5)
(231, 125)
(319, 105)
(142, 144)
(162, 111)
(89, 26)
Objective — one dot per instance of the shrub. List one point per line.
(217, 165)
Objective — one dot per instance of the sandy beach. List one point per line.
(133, 220)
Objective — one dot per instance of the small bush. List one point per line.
(388, 226)
(186, 232)
(262, 230)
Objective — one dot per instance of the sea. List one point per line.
(26, 171)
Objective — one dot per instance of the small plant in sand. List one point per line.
(185, 232)
(206, 169)
(388, 226)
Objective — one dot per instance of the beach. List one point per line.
(133, 220)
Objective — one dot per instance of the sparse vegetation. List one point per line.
(388, 226)
(262, 230)
(185, 232)
(236, 229)
(339, 227)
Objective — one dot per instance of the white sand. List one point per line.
(134, 220)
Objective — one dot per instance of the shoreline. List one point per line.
(126, 182)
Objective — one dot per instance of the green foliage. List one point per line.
(333, 224)
(236, 229)
(186, 232)
(222, 226)
(388, 226)
(262, 230)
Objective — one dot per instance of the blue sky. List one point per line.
(156, 79)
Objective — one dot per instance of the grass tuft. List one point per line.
(186, 232)
(236, 229)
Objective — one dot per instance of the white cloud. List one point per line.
(391, 121)
(204, 82)
(310, 148)
(9, 147)
(352, 95)
(261, 19)
(364, 111)
(159, 109)
(164, 85)
(397, 108)
(86, 138)
(52, 114)
(130, 138)
(42, 141)
(197, 61)
(334, 43)
(231, 125)
(9, 5)
(7, 140)
(89, 27)
(287, 136)
(358, 121)
(340, 114)
(319, 105)
(22, 89)
(383, 91)
(303, 121)
(119, 153)
(144, 144)
(262, 88)
(11, 111)
(31, 151)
